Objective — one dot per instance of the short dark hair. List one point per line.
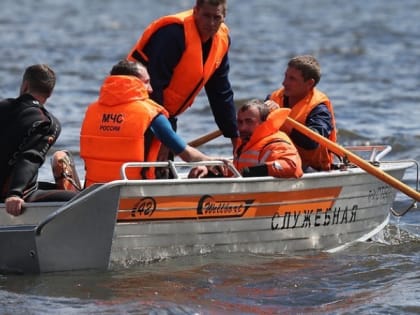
(126, 67)
(262, 107)
(41, 78)
(200, 3)
(309, 67)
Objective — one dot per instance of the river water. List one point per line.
(369, 52)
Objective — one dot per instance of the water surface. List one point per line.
(369, 53)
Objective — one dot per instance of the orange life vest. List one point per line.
(114, 127)
(190, 75)
(320, 158)
(272, 147)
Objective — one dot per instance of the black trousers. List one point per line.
(49, 192)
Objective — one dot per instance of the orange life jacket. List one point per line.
(114, 127)
(272, 147)
(190, 75)
(320, 158)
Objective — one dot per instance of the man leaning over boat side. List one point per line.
(125, 125)
(27, 133)
(263, 150)
(185, 52)
(310, 107)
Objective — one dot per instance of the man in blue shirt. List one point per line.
(178, 71)
(310, 107)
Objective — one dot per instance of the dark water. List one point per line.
(369, 52)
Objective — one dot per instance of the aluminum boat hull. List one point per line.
(126, 222)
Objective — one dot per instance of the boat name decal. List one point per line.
(314, 217)
(145, 207)
(208, 206)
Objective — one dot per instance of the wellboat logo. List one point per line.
(210, 207)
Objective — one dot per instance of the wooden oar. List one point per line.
(339, 150)
(204, 139)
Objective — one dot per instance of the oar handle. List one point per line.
(206, 138)
(339, 150)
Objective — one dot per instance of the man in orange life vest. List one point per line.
(310, 107)
(116, 127)
(184, 53)
(263, 150)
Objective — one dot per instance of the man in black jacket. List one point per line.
(27, 132)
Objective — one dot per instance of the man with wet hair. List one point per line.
(27, 133)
